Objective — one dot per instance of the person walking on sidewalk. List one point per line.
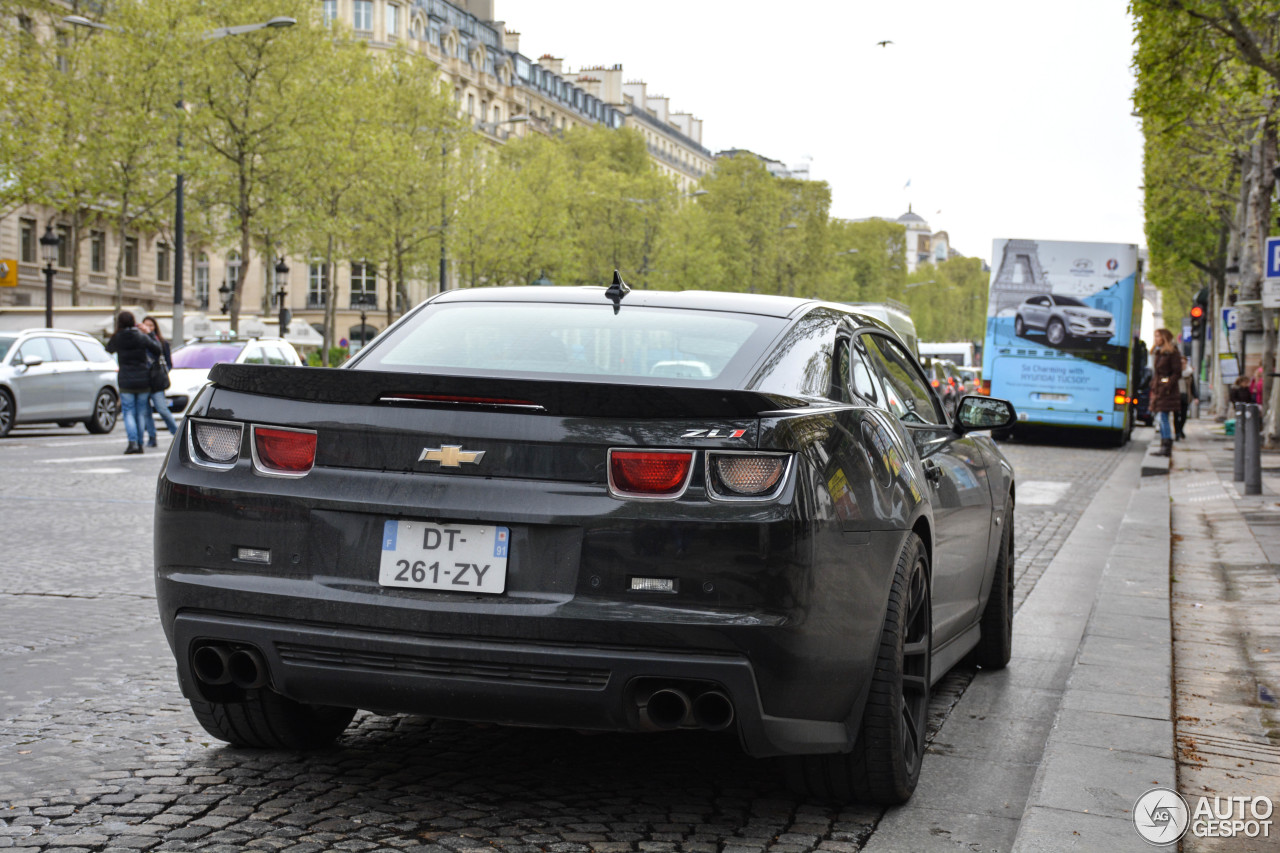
(134, 351)
(1186, 390)
(159, 367)
(1166, 370)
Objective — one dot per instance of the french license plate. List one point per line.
(450, 557)
(1054, 398)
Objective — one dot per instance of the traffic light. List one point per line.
(1199, 309)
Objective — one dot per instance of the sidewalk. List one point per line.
(1226, 618)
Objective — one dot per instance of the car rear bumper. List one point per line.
(507, 682)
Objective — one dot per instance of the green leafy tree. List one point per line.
(255, 96)
(417, 127)
(870, 261)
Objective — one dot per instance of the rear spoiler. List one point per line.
(551, 396)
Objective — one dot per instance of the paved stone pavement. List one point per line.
(98, 750)
(1226, 597)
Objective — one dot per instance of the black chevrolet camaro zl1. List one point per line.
(593, 509)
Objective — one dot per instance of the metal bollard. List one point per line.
(1253, 449)
(1239, 443)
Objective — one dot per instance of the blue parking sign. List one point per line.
(1272, 263)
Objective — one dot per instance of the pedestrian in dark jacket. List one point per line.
(159, 366)
(1166, 370)
(134, 351)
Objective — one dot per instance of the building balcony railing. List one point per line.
(364, 300)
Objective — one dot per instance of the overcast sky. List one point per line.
(1009, 119)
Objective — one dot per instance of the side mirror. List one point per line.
(32, 361)
(976, 413)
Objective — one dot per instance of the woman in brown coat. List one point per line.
(1166, 370)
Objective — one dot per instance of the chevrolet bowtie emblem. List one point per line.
(451, 456)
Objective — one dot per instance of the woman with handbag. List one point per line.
(133, 350)
(1166, 370)
(159, 376)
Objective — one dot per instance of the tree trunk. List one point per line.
(77, 232)
(330, 302)
(237, 287)
(1235, 247)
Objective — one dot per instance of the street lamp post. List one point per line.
(179, 224)
(282, 271)
(363, 333)
(49, 252)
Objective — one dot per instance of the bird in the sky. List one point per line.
(884, 43)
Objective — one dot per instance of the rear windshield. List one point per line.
(579, 341)
(205, 356)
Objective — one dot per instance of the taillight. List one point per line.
(215, 444)
(936, 383)
(649, 473)
(745, 476)
(279, 452)
(985, 389)
(1122, 398)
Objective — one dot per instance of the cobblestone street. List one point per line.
(99, 751)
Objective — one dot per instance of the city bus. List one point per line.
(1062, 319)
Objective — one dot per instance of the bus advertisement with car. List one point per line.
(1061, 321)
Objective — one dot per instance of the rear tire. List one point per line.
(7, 413)
(884, 765)
(103, 419)
(267, 720)
(1019, 327)
(995, 645)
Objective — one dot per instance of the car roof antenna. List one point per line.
(617, 290)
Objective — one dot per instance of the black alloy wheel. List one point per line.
(103, 419)
(995, 645)
(1056, 333)
(884, 765)
(6, 413)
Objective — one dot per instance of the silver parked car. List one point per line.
(56, 376)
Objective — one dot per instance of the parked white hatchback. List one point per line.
(56, 376)
(192, 363)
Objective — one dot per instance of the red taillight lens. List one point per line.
(985, 390)
(649, 473)
(936, 383)
(1122, 398)
(284, 451)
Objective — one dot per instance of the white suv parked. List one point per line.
(56, 376)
